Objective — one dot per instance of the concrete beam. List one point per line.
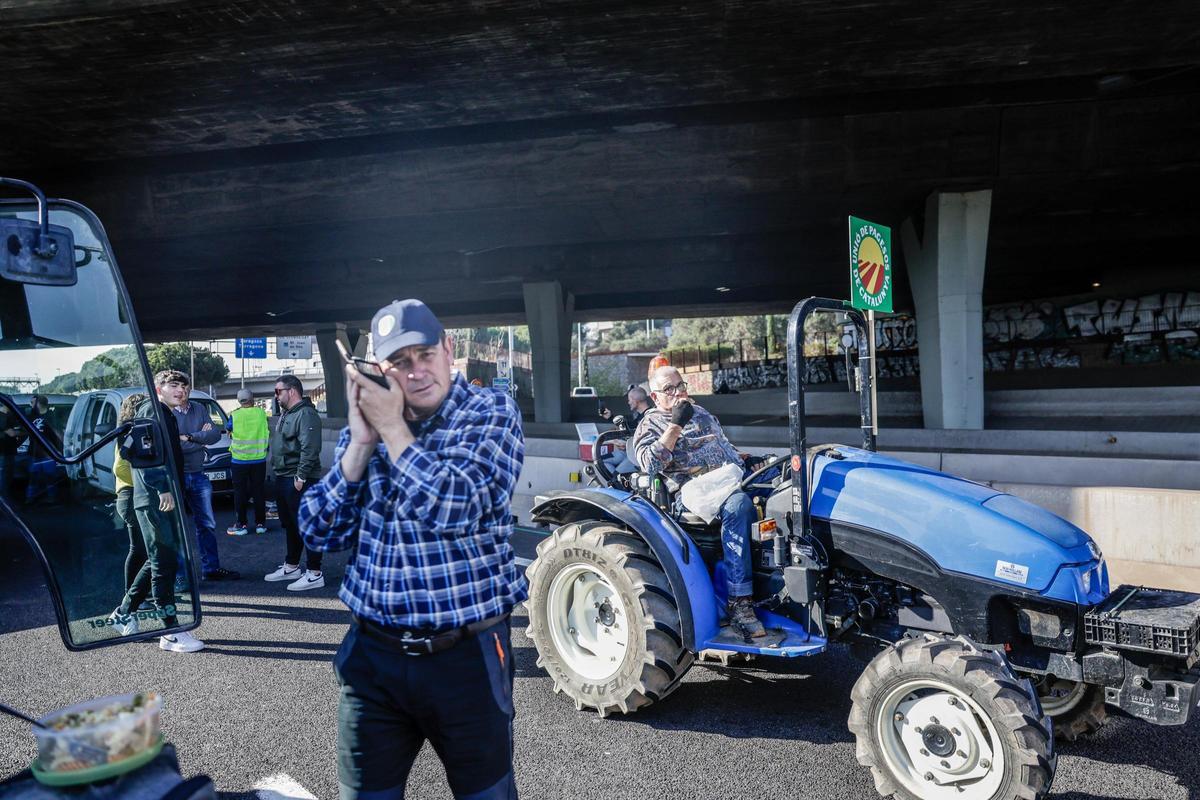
(355, 341)
(548, 309)
(945, 268)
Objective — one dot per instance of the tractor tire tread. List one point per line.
(987, 672)
(665, 660)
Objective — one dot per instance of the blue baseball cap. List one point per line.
(403, 323)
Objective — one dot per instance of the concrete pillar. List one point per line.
(548, 310)
(945, 268)
(331, 363)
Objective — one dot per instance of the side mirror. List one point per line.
(142, 446)
(36, 252)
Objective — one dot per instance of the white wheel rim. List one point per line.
(588, 622)
(1055, 701)
(956, 753)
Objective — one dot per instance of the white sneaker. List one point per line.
(180, 643)
(286, 572)
(126, 624)
(309, 580)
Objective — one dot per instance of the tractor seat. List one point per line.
(689, 520)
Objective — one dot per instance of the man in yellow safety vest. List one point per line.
(248, 459)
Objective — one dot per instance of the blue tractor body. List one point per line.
(964, 527)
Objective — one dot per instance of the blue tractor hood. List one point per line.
(964, 527)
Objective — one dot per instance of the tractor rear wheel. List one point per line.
(1076, 708)
(940, 718)
(604, 619)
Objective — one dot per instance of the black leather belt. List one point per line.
(419, 643)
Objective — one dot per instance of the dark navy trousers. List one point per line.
(459, 700)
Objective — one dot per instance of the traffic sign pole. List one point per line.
(871, 286)
(871, 350)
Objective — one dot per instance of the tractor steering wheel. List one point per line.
(602, 469)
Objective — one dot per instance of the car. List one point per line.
(95, 414)
(584, 391)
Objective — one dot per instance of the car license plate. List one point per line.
(219, 475)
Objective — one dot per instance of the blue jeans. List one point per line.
(737, 515)
(43, 481)
(198, 490)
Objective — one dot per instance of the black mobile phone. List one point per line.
(368, 369)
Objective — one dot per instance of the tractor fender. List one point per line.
(674, 549)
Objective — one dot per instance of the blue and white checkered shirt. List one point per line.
(432, 527)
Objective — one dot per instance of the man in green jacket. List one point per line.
(296, 461)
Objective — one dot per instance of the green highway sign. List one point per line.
(870, 266)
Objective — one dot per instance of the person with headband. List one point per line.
(684, 441)
(421, 486)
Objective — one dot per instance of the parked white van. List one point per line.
(95, 414)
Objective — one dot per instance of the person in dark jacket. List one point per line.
(154, 504)
(296, 462)
(44, 471)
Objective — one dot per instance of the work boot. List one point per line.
(741, 616)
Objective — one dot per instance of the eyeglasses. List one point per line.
(674, 390)
(284, 390)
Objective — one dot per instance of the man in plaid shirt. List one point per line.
(421, 487)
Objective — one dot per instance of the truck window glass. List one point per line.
(59, 347)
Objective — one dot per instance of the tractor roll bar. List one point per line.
(797, 365)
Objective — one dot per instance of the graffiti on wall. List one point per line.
(767, 375)
(1024, 358)
(1023, 322)
(1018, 337)
(1153, 313)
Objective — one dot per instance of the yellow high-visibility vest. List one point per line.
(248, 442)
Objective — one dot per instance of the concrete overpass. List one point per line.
(288, 166)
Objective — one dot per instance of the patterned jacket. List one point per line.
(701, 447)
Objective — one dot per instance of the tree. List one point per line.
(630, 335)
(109, 370)
(211, 369)
(711, 331)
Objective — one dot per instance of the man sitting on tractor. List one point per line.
(681, 440)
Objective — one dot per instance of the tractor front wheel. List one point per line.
(604, 619)
(941, 718)
(1076, 708)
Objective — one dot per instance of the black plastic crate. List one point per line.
(1152, 620)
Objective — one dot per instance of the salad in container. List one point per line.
(98, 739)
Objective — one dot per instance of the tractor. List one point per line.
(987, 623)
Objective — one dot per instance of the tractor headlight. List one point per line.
(1086, 580)
(1094, 549)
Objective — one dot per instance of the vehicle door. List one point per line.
(64, 312)
(103, 422)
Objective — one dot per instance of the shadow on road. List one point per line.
(280, 613)
(1129, 742)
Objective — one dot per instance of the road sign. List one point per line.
(870, 266)
(502, 367)
(251, 348)
(293, 347)
(500, 383)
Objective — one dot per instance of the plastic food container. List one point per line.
(98, 733)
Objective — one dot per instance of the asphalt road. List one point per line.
(261, 700)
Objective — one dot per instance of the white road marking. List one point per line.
(281, 787)
(524, 562)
